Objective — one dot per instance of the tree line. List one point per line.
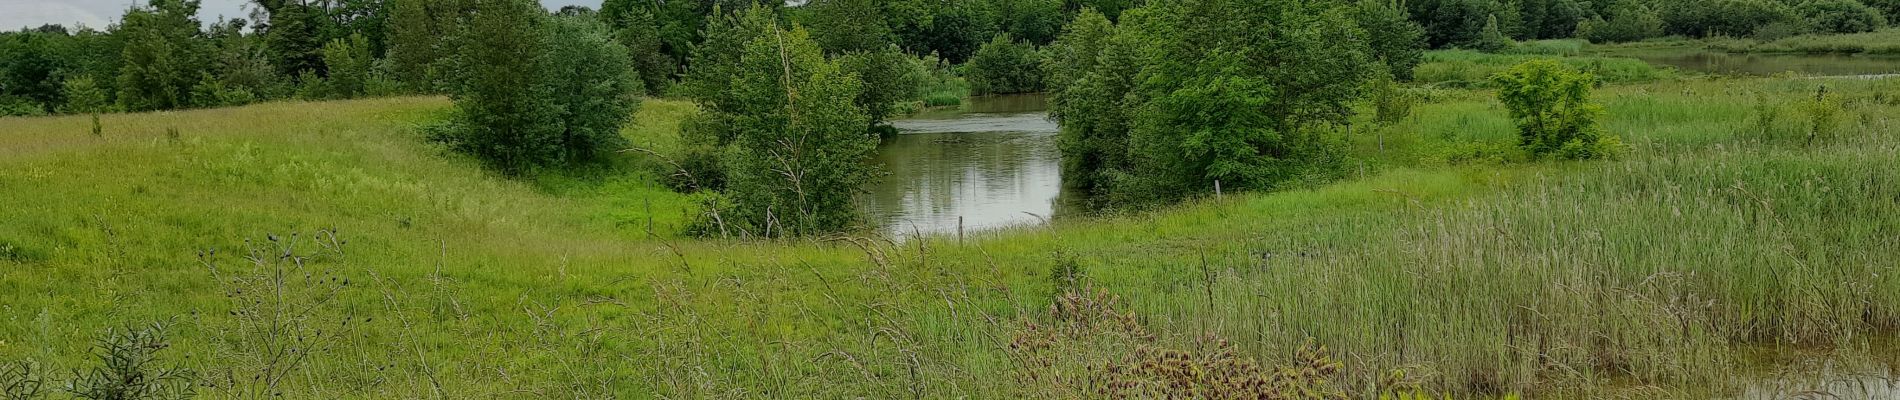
(1158, 101)
(1464, 23)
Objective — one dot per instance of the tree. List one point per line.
(1551, 104)
(841, 26)
(1090, 74)
(887, 77)
(505, 118)
(1005, 66)
(798, 154)
(1235, 93)
(1888, 8)
(294, 34)
(348, 62)
(1493, 39)
(413, 34)
(1734, 18)
(1627, 22)
(30, 68)
(1393, 39)
(84, 96)
(162, 56)
(1034, 21)
(1841, 16)
(540, 91)
(595, 86)
(955, 31)
(638, 29)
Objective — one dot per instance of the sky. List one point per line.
(16, 14)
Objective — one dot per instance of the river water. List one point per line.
(992, 164)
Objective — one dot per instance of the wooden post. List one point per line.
(1217, 193)
(959, 229)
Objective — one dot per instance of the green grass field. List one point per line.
(1445, 263)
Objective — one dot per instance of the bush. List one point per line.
(1394, 39)
(1005, 66)
(1628, 22)
(130, 369)
(347, 60)
(797, 161)
(1841, 16)
(539, 91)
(1551, 104)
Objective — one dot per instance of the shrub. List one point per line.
(22, 380)
(84, 96)
(131, 369)
(1551, 105)
(347, 60)
(1394, 39)
(1841, 16)
(539, 91)
(1005, 66)
(1492, 39)
(889, 77)
(1627, 22)
(798, 147)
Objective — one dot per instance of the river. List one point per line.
(991, 164)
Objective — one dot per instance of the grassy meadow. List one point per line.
(329, 250)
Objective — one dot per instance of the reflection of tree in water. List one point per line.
(991, 179)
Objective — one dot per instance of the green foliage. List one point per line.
(211, 92)
(638, 29)
(593, 83)
(1492, 39)
(1554, 114)
(348, 64)
(540, 91)
(841, 26)
(1841, 16)
(23, 380)
(1090, 73)
(1034, 21)
(1628, 21)
(799, 144)
(1823, 114)
(1230, 96)
(952, 29)
(1464, 68)
(161, 60)
(1005, 66)
(1734, 18)
(888, 77)
(1459, 23)
(1391, 102)
(84, 96)
(422, 38)
(1394, 39)
(31, 68)
(131, 369)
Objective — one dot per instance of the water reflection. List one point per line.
(990, 166)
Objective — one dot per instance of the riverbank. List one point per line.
(1444, 263)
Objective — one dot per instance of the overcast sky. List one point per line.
(16, 14)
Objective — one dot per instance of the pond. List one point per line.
(1716, 62)
(992, 164)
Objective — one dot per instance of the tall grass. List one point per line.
(1464, 68)
(1646, 277)
(1885, 42)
